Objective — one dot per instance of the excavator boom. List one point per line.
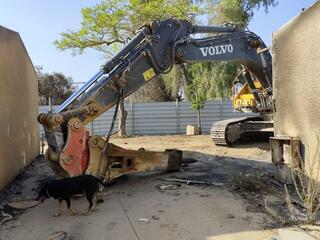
(153, 51)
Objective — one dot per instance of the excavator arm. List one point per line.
(153, 51)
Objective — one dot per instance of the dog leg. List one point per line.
(90, 198)
(95, 202)
(59, 209)
(72, 211)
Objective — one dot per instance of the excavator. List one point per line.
(155, 49)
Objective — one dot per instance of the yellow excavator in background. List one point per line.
(242, 96)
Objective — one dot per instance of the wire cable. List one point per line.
(105, 147)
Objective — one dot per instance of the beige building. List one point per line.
(19, 137)
(296, 82)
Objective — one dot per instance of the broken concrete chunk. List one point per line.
(192, 130)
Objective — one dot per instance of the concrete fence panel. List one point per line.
(158, 118)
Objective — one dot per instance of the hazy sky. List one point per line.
(39, 23)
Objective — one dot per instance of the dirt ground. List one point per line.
(201, 143)
(137, 208)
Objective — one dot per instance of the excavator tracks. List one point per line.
(227, 131)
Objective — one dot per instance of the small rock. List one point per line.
(230, 216)
(204, 195)
(154, 217)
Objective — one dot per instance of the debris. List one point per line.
(271, 212)
(154, 217)
(205, 195)
(277, 183)
(146, 220)
(193, 182)
(250, 183)
(5, 217)
(23, 204)
(61, 235)
(230, 216)
(169, 186)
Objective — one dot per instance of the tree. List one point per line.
(108, 25)
(111, 22)
(239, 12)
(197, 93)
(55, 86)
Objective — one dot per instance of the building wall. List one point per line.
(19, 142)
(296, 78)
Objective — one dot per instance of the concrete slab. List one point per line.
(191, 212)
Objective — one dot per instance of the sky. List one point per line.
(39, 23)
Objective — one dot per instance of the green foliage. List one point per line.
(55, 85)
(217, 78)
(111, 22)
(238, 11)
(174, 82)
(196, 92)
(221, 78)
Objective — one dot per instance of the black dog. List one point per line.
(63, 189)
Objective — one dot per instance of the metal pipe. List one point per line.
(79, 92)
(213, 29)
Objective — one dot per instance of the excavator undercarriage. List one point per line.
(228, 131)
